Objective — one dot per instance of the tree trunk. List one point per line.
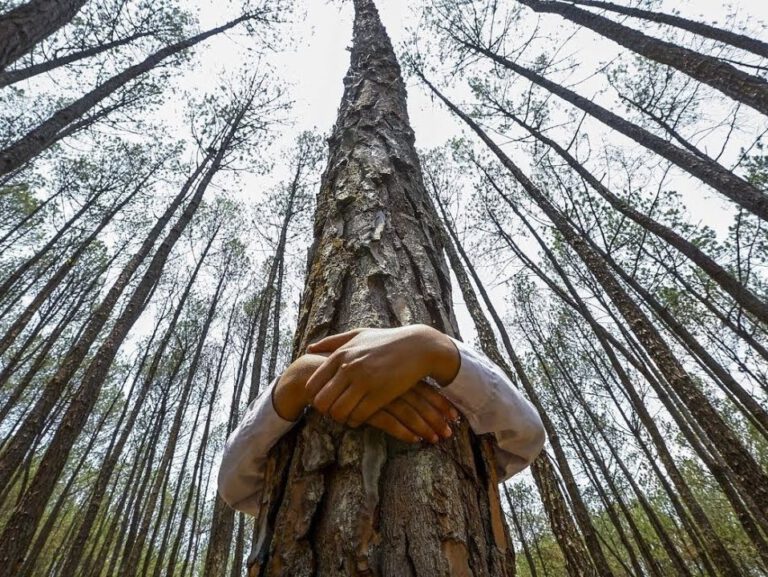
(19, 272)
(705, 169)
(52, 130)
(356, 502)
(9, 77)
(742, 87)
(725, 280)
(26, 25)
(741, 41)
(716, 549)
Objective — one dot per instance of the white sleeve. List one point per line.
(491, 404)
(241, 476)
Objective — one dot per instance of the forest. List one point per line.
(190, 194)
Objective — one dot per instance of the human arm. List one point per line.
(492, 405)
(367, 367)
(423, 413)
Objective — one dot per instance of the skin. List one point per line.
(375, 376)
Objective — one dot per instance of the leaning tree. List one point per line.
(345, 501)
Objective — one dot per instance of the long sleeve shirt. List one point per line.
(480, 391)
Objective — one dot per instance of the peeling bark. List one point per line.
(353, 502)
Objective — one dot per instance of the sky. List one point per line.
(314, 65)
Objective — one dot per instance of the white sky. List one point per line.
(316, 63)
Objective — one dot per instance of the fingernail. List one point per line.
(435, 438)
(447, 432)
(454, 414)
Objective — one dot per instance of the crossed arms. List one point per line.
(376, 377)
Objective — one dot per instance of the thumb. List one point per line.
(333, 342)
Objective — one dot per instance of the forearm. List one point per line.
(442, 355)
(289, 396)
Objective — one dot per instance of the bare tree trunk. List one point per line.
(716, 548)
(742, 87)
(749, 474)
(705, 169)
(52, 130)
(26, 25)
(130, 565)
(521, 535)
(19, 272)
(356, 502)
(742, 41)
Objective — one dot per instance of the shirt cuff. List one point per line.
(466, 391)
(259, 430)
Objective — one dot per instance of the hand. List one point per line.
(369, 368)
(422, 413)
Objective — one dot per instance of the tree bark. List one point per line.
(705, 169)
(742, 87)
(52, 130)
(355, 502)
(26, 25)
(742, 41)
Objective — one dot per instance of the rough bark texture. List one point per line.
(355, 502)
(28, 24)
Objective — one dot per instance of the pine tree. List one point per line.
(356, 502)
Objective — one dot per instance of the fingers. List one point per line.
(345, 403)
(389, 424)
(370, 404)
(437, 422)
(338, 383)
(410, 417)
(438, 401)
(332, 342)
(322, 375)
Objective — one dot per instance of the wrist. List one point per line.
(443, 356)
(289, 398)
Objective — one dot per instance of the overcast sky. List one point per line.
(314, 65)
